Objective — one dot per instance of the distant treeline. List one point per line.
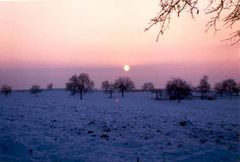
(175, 89)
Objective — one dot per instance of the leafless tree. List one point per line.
(6, 90)
(178, 89)
(204, 86)
(227, 87)
(158, 93)
(35, 89)
(124, 84)
(219, 88)
(226, 12)
(148, 87)
(108, 87)
(50, 86)
(79, 84)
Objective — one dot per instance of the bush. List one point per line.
(35, 89)
(6, 90)
(50, 86)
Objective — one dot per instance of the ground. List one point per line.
(55, 126)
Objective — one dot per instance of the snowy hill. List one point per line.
(55, 126)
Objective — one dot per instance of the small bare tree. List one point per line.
(226, 12)
(50, 86)
(79, 84)
(158, 93)
(204, 86)
(149, 87)
(108, 87)
(178, 89)
(6, 90)
(219, 88)
(124, 84)
(229, 86)
(35, 89)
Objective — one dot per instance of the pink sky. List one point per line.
(49, 38)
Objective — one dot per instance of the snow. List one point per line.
(55, 126)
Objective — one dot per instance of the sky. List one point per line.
(49, 41)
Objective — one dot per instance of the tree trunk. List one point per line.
(122, 93)
(81, 94)
(110, 94)
(156, 96)
(179, 100)
(202, 96)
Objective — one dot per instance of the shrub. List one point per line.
(35, 89)
(6, 90)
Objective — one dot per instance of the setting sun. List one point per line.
(126, 67)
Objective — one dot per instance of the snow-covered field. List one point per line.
(58, 127)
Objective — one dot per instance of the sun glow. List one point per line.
(126, 67)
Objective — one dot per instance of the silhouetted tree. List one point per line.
(108, 87)
(148, 87)
(79, 84)
(219, 88)
(229, 86)
(6, 90)
(50, 86)
(35, 89)
(124, 84)
(216, 8)
(204, 86)
(158, 93)
(178, 89)
(238, 89)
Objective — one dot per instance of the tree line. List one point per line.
(175, 89)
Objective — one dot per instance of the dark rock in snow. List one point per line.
(105, 136)
(182, 123)
(30, 151)
(106, 129)
(90, 132)
(203, 140)
(53, 121)
(91, 123)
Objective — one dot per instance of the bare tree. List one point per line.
(178, 89)
(50, 86)
(158, 93)
(6, 90)
(35, 89)
(219, 88)
(149, 86)
(124, 84)
(238, 89)
(229, 86)
(204, 86)
(79, 84)
(108, 87)
(226, 12)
